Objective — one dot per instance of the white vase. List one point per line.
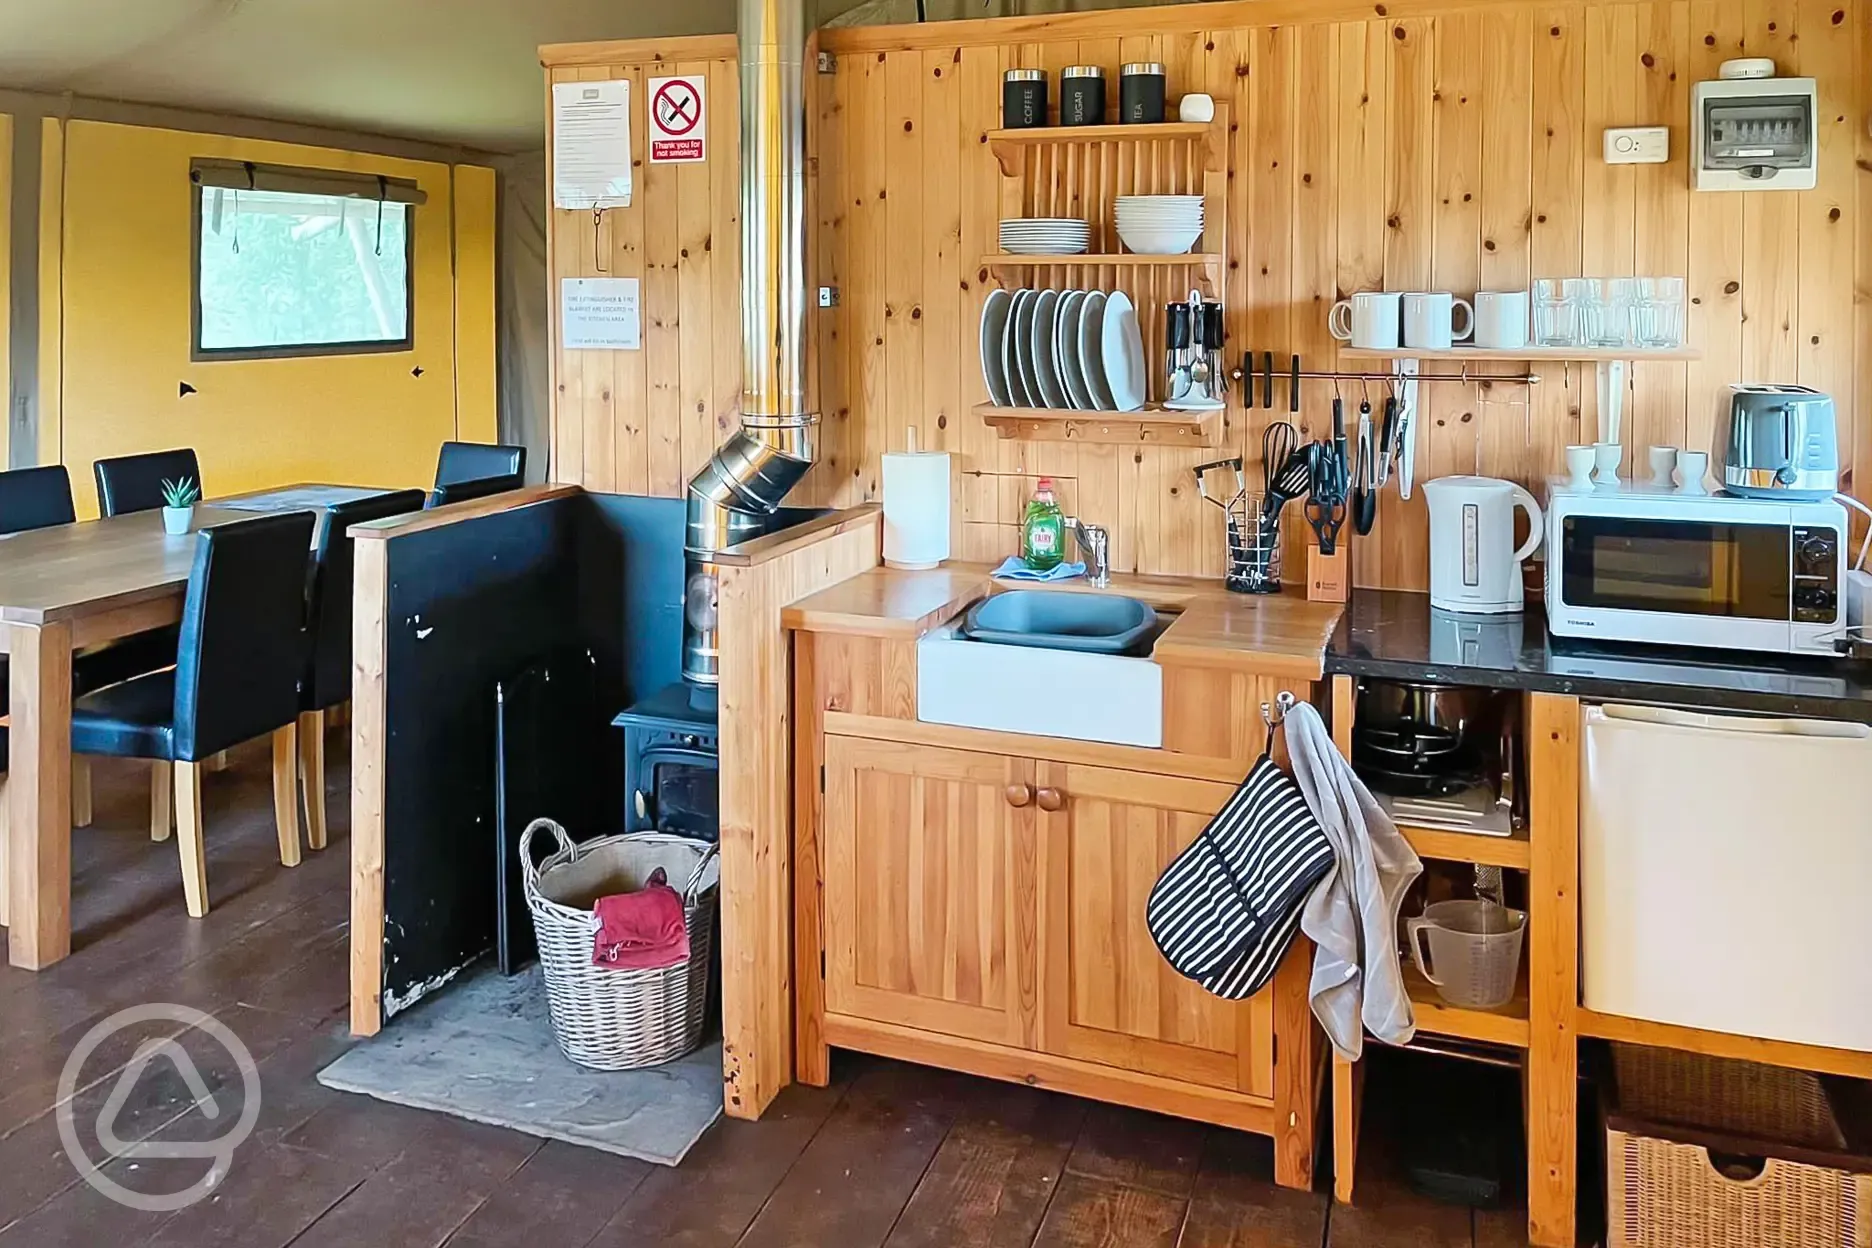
(176, 519)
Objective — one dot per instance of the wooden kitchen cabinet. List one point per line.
(929, 889)
(1108, 996)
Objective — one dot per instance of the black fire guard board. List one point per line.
(470, 604)
(548, 737)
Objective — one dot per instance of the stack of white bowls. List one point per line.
(1159, 225)
(1045, 236)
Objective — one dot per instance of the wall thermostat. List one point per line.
(1750, 131)
(1637, 145)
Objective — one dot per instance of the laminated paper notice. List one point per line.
(600, 314)
(591, 145)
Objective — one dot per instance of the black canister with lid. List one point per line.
(1023, 99)
(1141, 93)
(1082, 96)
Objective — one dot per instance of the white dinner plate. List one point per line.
(1066, 351)
(1020, 339)
(994, 321)
(1091, 350)
(1121, 350)
(1045, 376)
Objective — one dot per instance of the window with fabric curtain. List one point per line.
(285, 273)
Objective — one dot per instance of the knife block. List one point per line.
(1329, 577)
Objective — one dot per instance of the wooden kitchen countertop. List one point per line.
(1275, 635)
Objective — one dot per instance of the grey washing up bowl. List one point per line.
(1061, 620)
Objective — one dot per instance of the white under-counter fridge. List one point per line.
(1726, 873)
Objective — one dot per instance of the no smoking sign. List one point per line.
(678, 120)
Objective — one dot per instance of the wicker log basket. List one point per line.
(619, 1019)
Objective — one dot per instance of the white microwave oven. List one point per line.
(1644, 564)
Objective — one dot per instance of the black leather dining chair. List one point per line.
(238, 672)
(479, 487)
(135, 482)
(328, 621)
(36, 498)
(470, 461)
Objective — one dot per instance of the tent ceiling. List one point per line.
(453, 71)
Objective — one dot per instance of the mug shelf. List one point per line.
(1583, 355)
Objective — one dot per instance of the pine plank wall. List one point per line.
(1447, 146)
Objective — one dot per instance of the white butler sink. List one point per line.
(1039, 691)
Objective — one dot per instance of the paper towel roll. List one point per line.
(916, 508)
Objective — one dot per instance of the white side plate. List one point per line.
(994, 321)
(1121, 350)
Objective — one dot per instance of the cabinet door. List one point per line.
(930, 898)
(1106, 837)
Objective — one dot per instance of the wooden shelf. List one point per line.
(1151, 426)
(1008, 145)
(1446, 845)
(1584, 355)
(1208, 261)
(1507, 1025)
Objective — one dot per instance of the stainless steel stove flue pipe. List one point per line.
(734, 497)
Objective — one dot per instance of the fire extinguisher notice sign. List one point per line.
(678, 124)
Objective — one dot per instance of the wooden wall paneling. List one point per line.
(1506, 259)
(1828, 31)
(628, 468)
(662, 325)
(1556, 168)
(1608, 202)
(1410, 241)
(905, 214)
(1449, 437)
(724, 248)
(1312, 182)
(695, 326)
(1862, 253)
(1715, 288)
(945, 345)
(976, 530)
(1661, 227)
(866, 130)
(1361, 119)
(1771, 311)
(835, 210)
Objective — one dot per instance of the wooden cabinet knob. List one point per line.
(1019, 794)
(1052, 799)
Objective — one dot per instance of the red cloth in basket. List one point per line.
(641, 931)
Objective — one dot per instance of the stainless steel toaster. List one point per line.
(1782, 443)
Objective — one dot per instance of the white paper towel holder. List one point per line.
(911, 450)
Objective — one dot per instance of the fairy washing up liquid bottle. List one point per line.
(1043, 530)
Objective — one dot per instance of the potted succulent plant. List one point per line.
(179, 498)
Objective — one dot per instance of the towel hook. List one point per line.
(1276, 714)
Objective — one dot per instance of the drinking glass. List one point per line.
(1556, 315)
(1609, 320)
(1659, 319)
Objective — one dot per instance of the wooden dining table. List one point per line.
(61, 589)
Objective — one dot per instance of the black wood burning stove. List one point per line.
(672, 764)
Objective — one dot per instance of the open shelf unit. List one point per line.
(1578, 355)
(1147, 426)
(1446, 845)
(1505, 1025)
(1081, 172)
(1010, 146)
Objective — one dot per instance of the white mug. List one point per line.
(1368, 319)
(1430, 320)
(1501, 319)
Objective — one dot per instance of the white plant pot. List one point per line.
(176, 519)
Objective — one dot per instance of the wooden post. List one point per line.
(1553, 739)
(1296, 1069)
(1348, 1078)
(812, 1059)
(369, 657)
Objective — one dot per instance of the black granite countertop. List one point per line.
(1398, 635)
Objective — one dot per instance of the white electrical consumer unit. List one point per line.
(1637, 145)
(1751, 131)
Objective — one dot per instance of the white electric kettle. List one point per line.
(1474, 565)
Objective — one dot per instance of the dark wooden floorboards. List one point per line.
(889, 1156)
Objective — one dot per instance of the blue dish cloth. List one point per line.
(1015, 570)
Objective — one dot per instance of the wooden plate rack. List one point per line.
(1080, 171)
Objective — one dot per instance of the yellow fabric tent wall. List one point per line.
(115, 331)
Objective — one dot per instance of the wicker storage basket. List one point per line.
(1702, 1152)
(619, 1019)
